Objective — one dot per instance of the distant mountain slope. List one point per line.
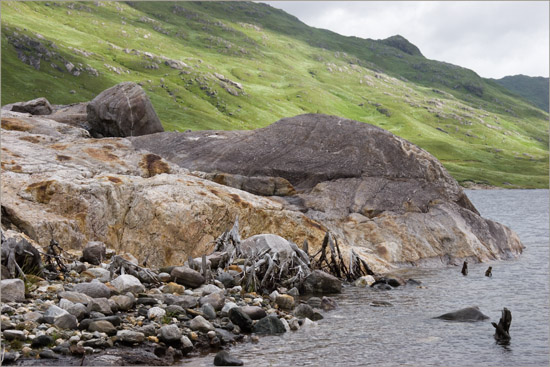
(533, 89)
(242, 65)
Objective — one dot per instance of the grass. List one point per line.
(286, 68)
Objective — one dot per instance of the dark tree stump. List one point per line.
(502, 330)
(465, 268)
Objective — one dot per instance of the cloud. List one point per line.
(493, 38)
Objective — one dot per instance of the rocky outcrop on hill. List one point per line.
(58, 183)
(382, 194)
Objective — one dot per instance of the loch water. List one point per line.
(405, 334)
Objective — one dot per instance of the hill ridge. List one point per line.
(241, 65)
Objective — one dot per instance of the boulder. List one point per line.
(363, 184)
(269, 325)
(12, 290)
(468, 314)
(38, 106)
(61, 185)
(127, 283)
(94, 252)
(187, 276)
(320, 282)
(267, 242)
(123, 110)
(223, 358)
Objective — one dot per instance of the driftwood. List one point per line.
(268, 268)
(502, 330)
(263, 269)
(54, 253)
(335, 264)
(119, 265)
(20, 257)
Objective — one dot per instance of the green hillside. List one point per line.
(241, 65)
(533, 89)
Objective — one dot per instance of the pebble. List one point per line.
(14, 335)
(48, 354)
(164, 277)
(201, 324)
(129, 336)
(170, 333)
(285, 301)
(41, 341)
(155, 313)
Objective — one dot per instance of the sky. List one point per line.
(493, 38)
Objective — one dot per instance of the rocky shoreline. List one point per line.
(81, 312)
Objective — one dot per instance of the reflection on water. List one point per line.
(358, 334)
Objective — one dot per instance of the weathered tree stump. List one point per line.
(465, 268)
(502, 330)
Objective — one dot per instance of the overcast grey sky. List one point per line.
(493, 38)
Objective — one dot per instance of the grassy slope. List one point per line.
(533, 89)
(286, 68)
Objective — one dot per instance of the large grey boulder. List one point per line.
(123, 110)
(12, 290)
(369, 187)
